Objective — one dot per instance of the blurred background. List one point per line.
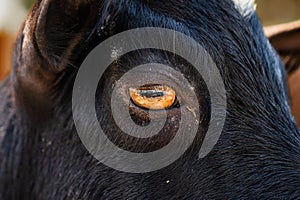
(278, 11)
(12, 13)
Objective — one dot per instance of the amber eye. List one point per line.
(153, 97)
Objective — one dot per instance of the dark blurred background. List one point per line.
(270, 11)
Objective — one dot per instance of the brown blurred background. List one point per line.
(278, 11)
(12, 13)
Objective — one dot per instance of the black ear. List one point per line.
(50, 40)
(53, 31)
(51, 37)
(62, 25)
(285, 38)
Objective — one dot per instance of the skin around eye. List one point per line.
(153, 97)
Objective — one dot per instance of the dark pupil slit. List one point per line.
(151, 93)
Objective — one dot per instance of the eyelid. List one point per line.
(153, 96)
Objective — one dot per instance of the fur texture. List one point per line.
(257, 156)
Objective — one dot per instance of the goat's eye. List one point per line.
(153, 96)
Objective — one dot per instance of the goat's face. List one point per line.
(257, 154)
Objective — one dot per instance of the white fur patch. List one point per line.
(245, 7)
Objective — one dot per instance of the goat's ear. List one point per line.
(61, 26)
(57, 28)
(51, 39)
(285, 38)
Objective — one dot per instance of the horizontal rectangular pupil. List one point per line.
(151, 93)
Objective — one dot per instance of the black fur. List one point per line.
(257, 156)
